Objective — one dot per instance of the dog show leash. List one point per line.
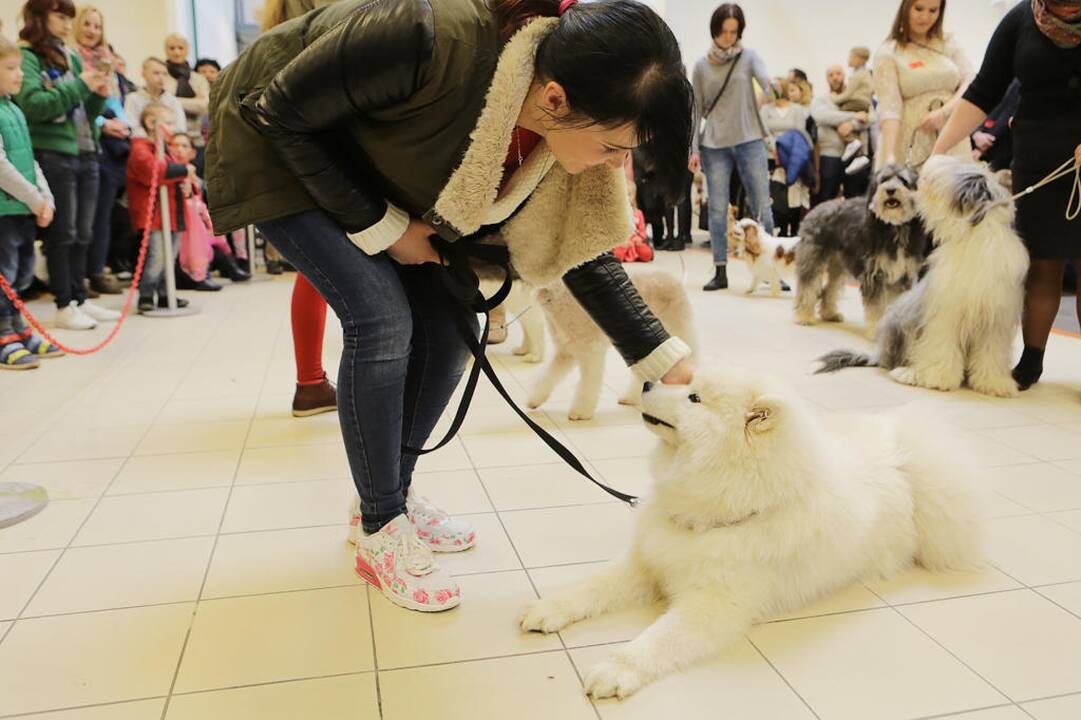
(1073, 205)
(462, 286)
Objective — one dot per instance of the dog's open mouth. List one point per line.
(656, 421)
(892, 204)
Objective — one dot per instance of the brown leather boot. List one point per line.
(315, 399)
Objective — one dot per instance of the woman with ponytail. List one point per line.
(364, 135)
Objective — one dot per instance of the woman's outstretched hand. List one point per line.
(1077, 155)
(414, 247)
(682, 373)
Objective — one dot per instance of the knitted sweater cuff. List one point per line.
(654, 366)
(384, 233)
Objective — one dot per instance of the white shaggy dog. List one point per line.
(579, 341)
(770, 259)
(761, 506)
(959, 321)
(526, 313)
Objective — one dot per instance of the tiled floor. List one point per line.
(192, 563)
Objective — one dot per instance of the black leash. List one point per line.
(463, 289)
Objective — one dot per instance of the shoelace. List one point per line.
(417, 555)
(424, 506)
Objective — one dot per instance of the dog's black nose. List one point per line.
(891, 191)
(646, 387)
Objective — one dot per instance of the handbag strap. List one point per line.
(724, 86)
(462, 287)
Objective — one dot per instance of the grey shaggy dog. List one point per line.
(878, 239)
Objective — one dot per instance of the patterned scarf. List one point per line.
(1059, 21)
(182, 73)
(717, 56)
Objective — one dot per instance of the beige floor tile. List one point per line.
(561, 536)
(1024, 645)
(66, 480)
(116, 576)
(71, 660)
(242, 641)
(278, 432)
(1064, 708)
(183, 471)
(458, 492)
(139, 710)
(919, 585)
(610, 628)
(289, 505)
(1006, 712)
(22, 573)
(499, 418)
(998, 505)
(292, 464)
(1047, 442)
(280, 561)
(82, 444)
(621, 441)
(156, 516)
(521, 447)
(53, 527)
(532, 687)
(632, 475)
(450, 457)
(1073, 466)
(1043, 487)
(492, 552)
(870, 664)
(350, 697)
(1068, 595)
(1035, 549)
(991, 453)
(740, 681)
(483, 626)
(1070, 518)
(539, 486)
(12, 445)
(193, 437)
(240, 408)
(854, 597)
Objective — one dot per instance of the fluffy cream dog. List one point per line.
(770, 259)
(761, 506)
(958, 323)
(580, 342)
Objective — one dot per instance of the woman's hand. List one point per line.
(1077, 155)
(96, 81)
(682, 373)
(934, 120)
(115, 128)
(414, 247)
(982, 140)
(44, 214)
(695, 163)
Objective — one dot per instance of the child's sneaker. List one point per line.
(72, 318)
(146, 304)
(99, 313)
(858, 164)
(41, 348)
(400, 565)
(850, 150)
(439, 531)
(15, 356)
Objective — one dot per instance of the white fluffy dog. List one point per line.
(959, 321)
(761, 506)
(579, 341)
(524, 311)
(770, 259)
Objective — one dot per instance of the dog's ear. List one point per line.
(974, 197)
(763, 414)
(1004, 178)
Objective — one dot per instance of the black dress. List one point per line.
(1046, 128)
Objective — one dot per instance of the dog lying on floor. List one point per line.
(877, 239)
(959, 321)
(769, 258)
(761, 506)
(580, 342)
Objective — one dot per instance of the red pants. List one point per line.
(309, 316)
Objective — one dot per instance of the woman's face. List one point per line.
(578, 149)
(923, 15)
(728, 35)
(59, 25)
(209, 72)
(176, 49)
(89, 34)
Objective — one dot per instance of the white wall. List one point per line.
(814, 34)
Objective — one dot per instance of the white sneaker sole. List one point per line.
(366, 574)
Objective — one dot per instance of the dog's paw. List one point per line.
(935, 378)
(535, 400)
(831, 316)
(904, 375)
(534, 358)
(1005, 387)
(544, 615)
(613, 678)
(579, 414)
(804, 319)
(520, 350)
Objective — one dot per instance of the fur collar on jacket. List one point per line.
(569, 219)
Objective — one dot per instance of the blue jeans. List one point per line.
(73, 180)
(751, 161)
(402, 355)
(112, 181)
(153, 278)
(17, 234)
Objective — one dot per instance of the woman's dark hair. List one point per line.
(727, 11)
(619, 64)
(799, 75)
(36, 30)
(207, 61)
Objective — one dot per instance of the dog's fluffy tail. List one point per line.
(949, 510)
(841, 359)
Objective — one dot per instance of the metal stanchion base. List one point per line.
(167, 313)
(20, 501)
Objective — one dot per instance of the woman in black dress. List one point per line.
(1039, 43)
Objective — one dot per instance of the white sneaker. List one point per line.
(97, 312)
(850, 150)
(72, 318)
(440, 531)
(397, 562)
(858, 164)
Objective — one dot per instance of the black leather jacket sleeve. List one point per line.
(602, 288)
(375, 58)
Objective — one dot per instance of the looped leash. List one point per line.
(1073, 205)
(463, 288)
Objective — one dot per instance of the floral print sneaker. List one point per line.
(439, 531)
(400, 565)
